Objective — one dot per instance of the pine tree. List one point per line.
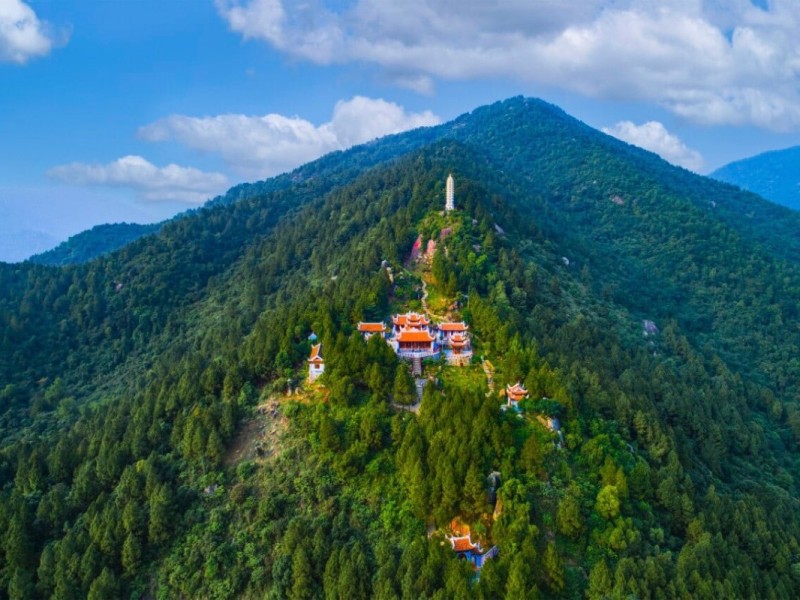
(403, 390)
(554, 569)
(568, 516)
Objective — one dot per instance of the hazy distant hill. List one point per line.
(16, 246)
(94, 242)
(773, 175)
(652, 311)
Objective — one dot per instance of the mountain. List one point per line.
(94, 242)
(773, 175)
(17, 245)
(158, 437)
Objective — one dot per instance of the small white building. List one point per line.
(316, 365)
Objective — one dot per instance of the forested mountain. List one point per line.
(773, 175)
(94, 242)
(158, 439)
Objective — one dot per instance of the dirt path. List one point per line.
(488, 368)
(424, 300)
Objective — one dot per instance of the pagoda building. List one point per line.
(515, 393)
(449, 195)
(410, 320)
(367, 330)
(448, 330)
(459, 352)
(316, 364)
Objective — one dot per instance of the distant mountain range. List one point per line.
(774, 175)
(94, 242)
(16, 246)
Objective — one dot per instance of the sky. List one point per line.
(135, 110)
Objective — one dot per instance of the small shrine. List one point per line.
(367, 330)
(514, 394)
(459, 352)
(316, 364)
(472, 552)
(448, 330)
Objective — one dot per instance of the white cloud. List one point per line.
(22, 35)
(152, 183)
(711, 61)
(261, 146)
(654, 136)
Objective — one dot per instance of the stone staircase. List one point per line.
(416, 366)
(420, 383)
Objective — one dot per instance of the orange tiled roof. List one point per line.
(410, 318)
(462, 544)
(414, 336)
(516, 391)
(458, 339)
(371, 327)
(453, 326)
(316, 353)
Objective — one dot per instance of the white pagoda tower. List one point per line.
(449, 202)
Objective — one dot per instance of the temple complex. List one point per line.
(413, 336)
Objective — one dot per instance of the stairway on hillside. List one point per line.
(420, 383)
(416, 366)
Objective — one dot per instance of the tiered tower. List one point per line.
(449, 202)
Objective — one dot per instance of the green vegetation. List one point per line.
(125, 382)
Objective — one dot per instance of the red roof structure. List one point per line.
(411, 319)
(458, 341)
(316, 354)
(453, 327)
(463, 544)
(371, 327)
(412, 335)
(516, 392)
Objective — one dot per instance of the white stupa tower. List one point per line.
(449, 198)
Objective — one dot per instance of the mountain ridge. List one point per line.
(772, 175)
(91, 243)
(124, 381)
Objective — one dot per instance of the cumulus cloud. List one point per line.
(152, 183)
(261, 146)
(22, 35)
(654, 136)
(711, 61)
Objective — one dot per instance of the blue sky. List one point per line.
(132, 110)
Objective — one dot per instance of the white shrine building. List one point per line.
(316, 364)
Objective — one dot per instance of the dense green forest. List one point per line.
(129, 385)
(94, 242)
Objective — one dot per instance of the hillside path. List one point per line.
(488, 368)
